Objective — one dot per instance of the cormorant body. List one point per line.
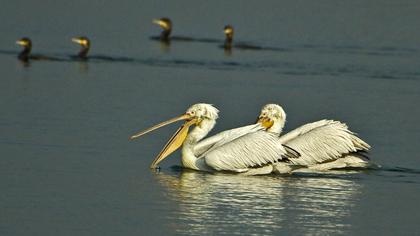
(26, 43)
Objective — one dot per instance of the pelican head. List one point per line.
(195, 115)
(273, 118)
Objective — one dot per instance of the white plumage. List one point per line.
(258, 149)
(323, 145)
(246, 149)
(251, 150)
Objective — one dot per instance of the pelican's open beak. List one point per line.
(21, 42)
(176, 140)
(265, 121)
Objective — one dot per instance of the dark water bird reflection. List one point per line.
(218, 203)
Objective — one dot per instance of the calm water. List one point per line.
(67, 167)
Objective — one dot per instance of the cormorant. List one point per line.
(85, 46)
(228, 45)
(26, 43)
(166, 25)
(25, 54)
(228, 30)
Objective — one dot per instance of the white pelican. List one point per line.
(249, 149)
(323, 145)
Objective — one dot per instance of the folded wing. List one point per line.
(322, 141)
(252, 150)
(224, 137)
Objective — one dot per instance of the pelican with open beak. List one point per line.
(249, 149)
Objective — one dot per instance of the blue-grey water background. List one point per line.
(67, 167)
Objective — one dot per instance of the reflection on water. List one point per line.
(83, 66)
(226, 204)
(25, 64)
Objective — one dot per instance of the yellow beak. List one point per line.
(265, 122)
(20, 42)
(160, 23)
(76, 40)
(82, 42)
(175, 141)
(227, 31)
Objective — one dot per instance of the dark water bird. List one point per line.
(26, 43)
(228, 44)
(165, 37)
(166, 24)
(85, 46)
(25, 55)
(228, 30)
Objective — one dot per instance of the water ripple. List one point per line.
(217, 204)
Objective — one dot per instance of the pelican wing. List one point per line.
(322, 141)
(224, 137)
(251, 150)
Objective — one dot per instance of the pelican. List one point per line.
(249, 149)
(323, 145)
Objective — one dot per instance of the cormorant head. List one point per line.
(228, 30)
(164, 22)
(25, 42)
(83, 41)
(166, 25)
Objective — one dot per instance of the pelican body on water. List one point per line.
(254, 149)
(322, 145)
(249, 149)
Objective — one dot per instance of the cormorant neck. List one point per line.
(83, 52)
(228, 41)
(24, 54)
(164, 36)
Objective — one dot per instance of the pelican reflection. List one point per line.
(220, 203)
